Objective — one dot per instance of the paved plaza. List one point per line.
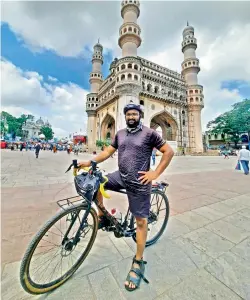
(203, 255)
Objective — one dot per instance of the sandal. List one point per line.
(139, 272)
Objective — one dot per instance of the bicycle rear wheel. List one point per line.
(61, 259)
(158, 217)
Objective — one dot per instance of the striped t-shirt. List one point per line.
(134, 153)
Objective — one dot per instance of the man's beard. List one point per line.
(133, 124)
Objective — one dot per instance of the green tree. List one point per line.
(234, 122)
(47, 131)
(14, 124)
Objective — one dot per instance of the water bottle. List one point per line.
(116, 214)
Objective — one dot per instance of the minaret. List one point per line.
(190, 70)
(128, 68)
(96, 74)
(130, 39)
(92, 102)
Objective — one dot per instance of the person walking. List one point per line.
(37, 149)
(154, 155)
(135, 144)
(244, 158)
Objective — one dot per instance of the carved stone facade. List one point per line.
(171, 101)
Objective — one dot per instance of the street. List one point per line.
(203, 254)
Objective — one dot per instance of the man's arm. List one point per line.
(167, 156)
(105, 154)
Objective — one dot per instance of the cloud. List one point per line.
(26, 92)
(222, 29)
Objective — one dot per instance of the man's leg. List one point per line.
(141, 237)
(244, 166)
(247, 165)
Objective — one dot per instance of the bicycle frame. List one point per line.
(120, 229)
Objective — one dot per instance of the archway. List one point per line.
(165, 125)
(108, 128)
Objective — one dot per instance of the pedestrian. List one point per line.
(244, 157)
(37, 149)
(225, 153)
(154, 155)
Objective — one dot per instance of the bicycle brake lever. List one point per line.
(69, 168)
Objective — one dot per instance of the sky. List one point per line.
(46, 50)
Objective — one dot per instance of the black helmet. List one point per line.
(132, 106)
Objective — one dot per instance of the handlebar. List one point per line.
(93, 171)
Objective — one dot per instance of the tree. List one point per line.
(234, 122)
(14, 124)
(47, 131)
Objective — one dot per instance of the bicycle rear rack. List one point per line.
(69, 202)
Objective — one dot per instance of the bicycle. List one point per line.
(67, 239)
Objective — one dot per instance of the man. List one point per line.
(37, 149)
(134, 144)
(244, 157)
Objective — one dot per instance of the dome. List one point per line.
(40, 122)
(98, 46)
(113, 64)
(188, 28)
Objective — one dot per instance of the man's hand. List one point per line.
(147, 177)
(84, 164)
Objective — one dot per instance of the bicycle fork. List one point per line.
(74, 216)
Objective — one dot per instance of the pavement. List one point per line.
(203, 254)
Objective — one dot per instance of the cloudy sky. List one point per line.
(46, 52)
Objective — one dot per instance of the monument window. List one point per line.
(136, 77)
(134, 30)
(135, 67)
(183, 122)
(183, 112)
(189, 63)
(130, 29)
(156, 89)
(196, 91)
(191, 99)
(141, 102)
(197, 99)
(149, 87)
(129, 76)
(123, 67)
(117, 79)
(169, 93)
(129, 66)
(123, 77)
(191, 92)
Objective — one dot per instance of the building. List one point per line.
(31, 128)
(171, 101)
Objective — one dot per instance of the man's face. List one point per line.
(132, 118)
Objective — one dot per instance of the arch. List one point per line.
(123, 77)
(135, 67)
(108, 128)
(129, 66)
(135, 77)
(149, 87)
(123, 67)
(129, 76)
(156, 89)
(130, 29)
(167, 123)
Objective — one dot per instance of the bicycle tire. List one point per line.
(26, 282)
(156, 237)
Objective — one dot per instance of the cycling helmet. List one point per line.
(132, 106)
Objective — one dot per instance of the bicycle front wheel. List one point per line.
(158, 217)
(51, 259)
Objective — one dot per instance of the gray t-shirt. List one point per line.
(134, 154)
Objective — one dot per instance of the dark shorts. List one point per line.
(139, 204)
